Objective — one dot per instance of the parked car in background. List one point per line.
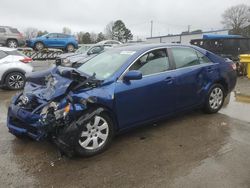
(81, 55)
(112, 42)
(13, 67)
(82, 109)
(11, 37)
(54, 40)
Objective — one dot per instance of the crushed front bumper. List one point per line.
(23, 122)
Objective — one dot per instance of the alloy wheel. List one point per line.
(216, 98)
(95, 134)
(16, 81)
(39, 46)
(12, 44)
(70, 48)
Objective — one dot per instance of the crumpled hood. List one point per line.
(49, 84)
(77, 57)
(63, 56)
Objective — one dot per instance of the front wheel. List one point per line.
(95, 136)
(215, 99)
(39, 46)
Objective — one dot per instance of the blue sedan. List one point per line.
(82, 109)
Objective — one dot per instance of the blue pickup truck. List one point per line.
(54, 40)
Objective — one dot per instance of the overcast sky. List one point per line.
(169, 16)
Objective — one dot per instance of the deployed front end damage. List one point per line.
(49, 107)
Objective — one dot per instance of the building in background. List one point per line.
(185, 37)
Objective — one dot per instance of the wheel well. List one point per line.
(224, 84)
(70, 44)
(11, 71)
(39, 42)
(11, 39)
(108, 111)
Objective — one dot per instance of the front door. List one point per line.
(151, 97)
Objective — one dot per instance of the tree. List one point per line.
(66, 30)
(128, 35)
(100, 37)
(236, 18)
(108, 31)
(30, 32)
(120, 32)
(41, 33)
(93, 37)
(86, 39)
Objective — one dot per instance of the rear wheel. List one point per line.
(15, 81)
(39, 46)
(95, 136)
(11, 43)
(70, 48)
(215, 99)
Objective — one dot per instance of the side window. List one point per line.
(13, 30)
(202, 58)
(2, 54)
(185, 57)
(60, 35)
(2, 30)
(153, 62)
(95, 50)
(52, 35)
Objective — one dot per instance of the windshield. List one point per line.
(105, 64)
(83, 49)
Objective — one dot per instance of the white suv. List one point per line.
(13, 67)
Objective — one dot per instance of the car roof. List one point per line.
(147, 46)
(7, 49)
(104, 41)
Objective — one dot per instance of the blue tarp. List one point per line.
(214, 36)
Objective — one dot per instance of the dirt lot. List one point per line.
(191, 150)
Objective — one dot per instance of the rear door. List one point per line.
(61, 40)
(194, 73)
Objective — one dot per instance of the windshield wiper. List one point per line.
(89, 82)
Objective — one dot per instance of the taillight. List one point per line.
(20, 35)
(26, 60)
(233, 65)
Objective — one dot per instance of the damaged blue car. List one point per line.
(81, 109)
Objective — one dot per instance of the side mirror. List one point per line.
(132, 75)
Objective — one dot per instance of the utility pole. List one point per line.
(189, 28)
(151, 32)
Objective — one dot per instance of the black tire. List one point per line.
(215, 99)
(81, 151)
(39, 46)
(15, 81)
(18, 136)
(12, 43)
(70, 48)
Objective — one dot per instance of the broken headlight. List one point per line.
(66, 63)
(54, 111)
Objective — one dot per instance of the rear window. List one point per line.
(62, 35)
(2, 30)
(13, 30)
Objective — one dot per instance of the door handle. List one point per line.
(210, 69)
(169, 80)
